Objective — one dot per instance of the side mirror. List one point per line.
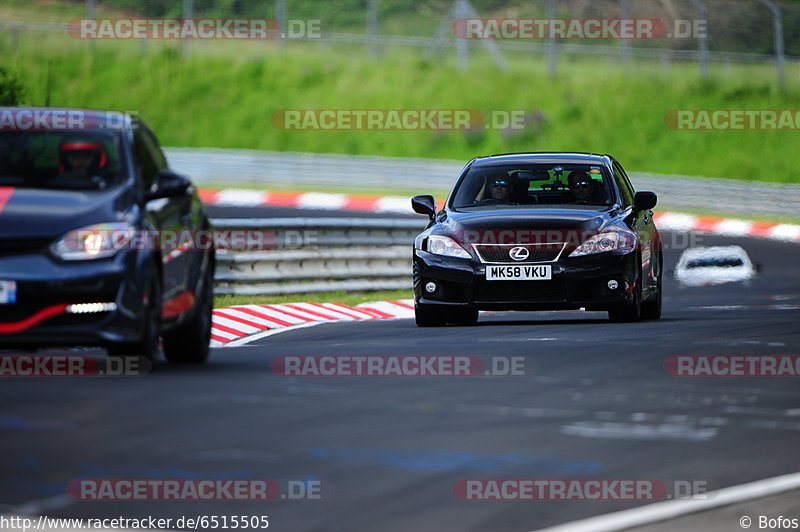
(169, 184)
(424, 205)
(644, 201)
(758, 267)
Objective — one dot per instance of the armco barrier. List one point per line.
(319, 255)
(361, 254)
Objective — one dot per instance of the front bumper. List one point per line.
(39, 318)
(580, 282)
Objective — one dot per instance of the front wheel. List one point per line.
(651, 309)
(147, 346)
(188, 343)
(632, 311)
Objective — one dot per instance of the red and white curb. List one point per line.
(672, 221)
(236, 197)
(668, 221)
(242, 324)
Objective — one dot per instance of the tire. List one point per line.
(147, 346)
(428, 317)
(651, 309)
(189, 342)
(631, 312)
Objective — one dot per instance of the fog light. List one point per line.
(431, 287)
(613, 284)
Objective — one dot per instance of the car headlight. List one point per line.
(98, 241)
(600, 243)
(442, 245)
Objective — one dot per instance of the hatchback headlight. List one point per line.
(98, 241)
(600, 243)
(442, 245)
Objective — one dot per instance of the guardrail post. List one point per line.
(90, 14)
(188, 12)
(777, 20)
(625, 47)
(702, 40)
(280, 15)
(14, 37)
(462, 45)
(372, 28)
(552, 49)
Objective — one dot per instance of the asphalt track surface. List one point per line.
(595, 402)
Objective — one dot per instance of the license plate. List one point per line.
(8, 292)
(522, 272)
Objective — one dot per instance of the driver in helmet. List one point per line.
(79, 163)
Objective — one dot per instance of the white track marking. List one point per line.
(663, 511)
(220, 319)
(269, 332)
(275, 313)
(638, 431)
(351, 311)
(262, 321)
(241, 198)
(319, 200)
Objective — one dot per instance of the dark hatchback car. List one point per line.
(93, 247)
(538, 231)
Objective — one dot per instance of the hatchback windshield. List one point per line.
(716, 262)
(510, 186)
(66, 160)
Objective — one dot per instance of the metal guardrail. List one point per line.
(319, 255)
(421, 176)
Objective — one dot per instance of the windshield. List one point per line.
(510, 186)
(715, 262)
(65, 160)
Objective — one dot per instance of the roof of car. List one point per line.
(544, 158)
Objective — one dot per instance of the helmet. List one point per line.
(96, 148)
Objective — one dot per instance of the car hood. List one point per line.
(467, 226)
(40, 213)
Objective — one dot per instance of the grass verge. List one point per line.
(226, 95)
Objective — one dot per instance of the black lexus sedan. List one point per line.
(93, 238)
(538, 231)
